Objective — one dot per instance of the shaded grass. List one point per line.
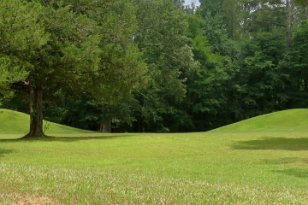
(64, 139)
(298, 172)
(4, 151)
(274, 143)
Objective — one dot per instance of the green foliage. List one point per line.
(21, 34)
(302, 2)
(20, 28)
(55, 47)
(71, 51)
(154, 65)
(162, 37)
(121, 65)
(301, 49)
(205, 86)
(9, 73)
(121, 70)
(298, 70)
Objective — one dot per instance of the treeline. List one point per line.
(152, 65)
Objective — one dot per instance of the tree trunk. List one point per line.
(36, 112)
(306, 12)
(290, 21)
(106, 126)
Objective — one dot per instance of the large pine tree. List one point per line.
(47, 46)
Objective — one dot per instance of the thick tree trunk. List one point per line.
(36, 112)
(105, 126)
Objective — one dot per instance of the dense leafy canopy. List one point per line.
(144, 65)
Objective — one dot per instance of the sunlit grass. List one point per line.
(287, 120)
(200, 168)
(15, 124)
(195, 168)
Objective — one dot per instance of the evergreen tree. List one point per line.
(162, 39)
(54, 49)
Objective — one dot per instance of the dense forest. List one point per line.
(152, 65)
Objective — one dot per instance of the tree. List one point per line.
(304, 5)
(290, 6)
(299, 69)
(121, 65)
(55, 49)
(162, 38)
(214, 26)
(121, 70)
(206, 88)
(20, 35)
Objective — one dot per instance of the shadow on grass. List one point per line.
(292, 166)
(4, 152)
(289, 160)
(292, 144)
(296, 172)
(65, 139)
(298, 167)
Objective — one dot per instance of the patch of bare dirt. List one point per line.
(33, 200)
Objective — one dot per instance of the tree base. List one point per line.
(105, 126)
(34, 136)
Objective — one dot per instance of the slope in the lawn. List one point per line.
(288, 120)
(12, 122)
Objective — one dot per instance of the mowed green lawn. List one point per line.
(260, 161)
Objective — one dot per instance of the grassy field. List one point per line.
(15, 124)
(260, 161)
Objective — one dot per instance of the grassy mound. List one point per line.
(288, 120)
(258, 167)
(12, 122)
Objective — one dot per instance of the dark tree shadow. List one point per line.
(292, 144)
(66, 139)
